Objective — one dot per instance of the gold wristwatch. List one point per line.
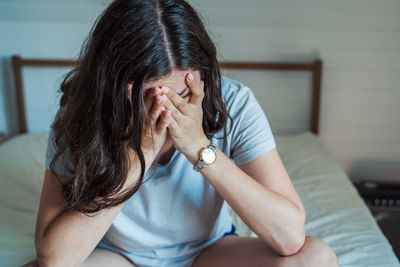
(208, 155)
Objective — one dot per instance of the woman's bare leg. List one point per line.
(250, 251)
(99, 257)
(103, 257)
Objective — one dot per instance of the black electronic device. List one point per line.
(385, 194)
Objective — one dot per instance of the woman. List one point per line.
(124, 182)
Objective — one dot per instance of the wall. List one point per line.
(39, 29)
(358, 40)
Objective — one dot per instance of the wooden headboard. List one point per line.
(314, 67)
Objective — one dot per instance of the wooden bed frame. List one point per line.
(315, 67)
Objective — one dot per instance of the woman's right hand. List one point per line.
(155, 132)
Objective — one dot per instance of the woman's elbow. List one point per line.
(43, 260)
(43, 255)
(298, 237)
(295, 244)
(40, 255)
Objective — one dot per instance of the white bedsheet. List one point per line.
(335, 211)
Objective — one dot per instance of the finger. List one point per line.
(178, 101)
(193, 81)
(175, 113)
(149, 97)
(158, 102)
(164, 121)
(129, 89)
(173, 127)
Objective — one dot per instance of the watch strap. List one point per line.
(201, 164)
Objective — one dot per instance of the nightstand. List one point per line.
(383, 200)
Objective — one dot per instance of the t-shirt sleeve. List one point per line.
(60, 163)
(251, 133)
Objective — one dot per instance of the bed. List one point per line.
(335, 212)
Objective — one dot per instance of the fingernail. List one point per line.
(164, 89)
(164, 97)
(163, 108)
(190, 76)
(156, 91)
(159, 99)
(167, 113)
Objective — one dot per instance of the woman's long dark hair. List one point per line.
(132, 40)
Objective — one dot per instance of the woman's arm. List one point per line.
(260, 193)
(67, 238)
(272, 216)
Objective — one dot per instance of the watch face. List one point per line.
(208, 155)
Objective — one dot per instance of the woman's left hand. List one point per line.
(186, 127)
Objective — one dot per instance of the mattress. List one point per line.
(335, 211)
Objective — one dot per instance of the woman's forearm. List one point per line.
(272, 217)
(72, 236)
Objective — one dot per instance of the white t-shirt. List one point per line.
(176, 212)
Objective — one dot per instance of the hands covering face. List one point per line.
(155, 131)
(186, 126)
(182, 118)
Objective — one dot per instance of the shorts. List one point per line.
(186, 261)
(232, 232)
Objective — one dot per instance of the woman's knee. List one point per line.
(318, 253)
(104, 257)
